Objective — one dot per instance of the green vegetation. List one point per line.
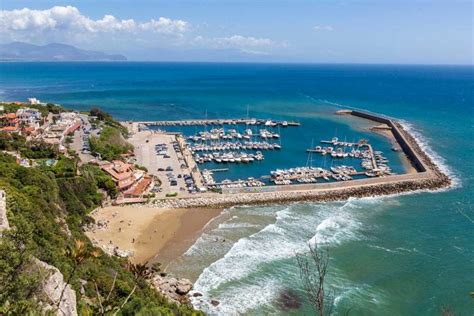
(47, 208)
(111, 144)
(44, 109)
(141, 168)
(31, 150)
(107, 119)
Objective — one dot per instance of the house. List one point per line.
(29, 117)
(121, 173)
(131, 182)
(9, 123)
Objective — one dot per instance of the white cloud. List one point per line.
(66, 24)
(323, 28)
(66, 20)
(235, 41)
(166, 26)
(242, 41)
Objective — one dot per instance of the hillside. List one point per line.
(19, 51)
(47, 206)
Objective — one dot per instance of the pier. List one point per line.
(220, 122)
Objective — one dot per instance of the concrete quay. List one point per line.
(270, 123)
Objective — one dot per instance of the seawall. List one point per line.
(399, 136)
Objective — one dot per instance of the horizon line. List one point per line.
(239, 62)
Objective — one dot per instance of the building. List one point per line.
(139, 187)
(29, 117)
(9, 123)
(131, 182)
(66, 123)
(33, 101)
(121, 173)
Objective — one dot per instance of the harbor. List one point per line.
(259, 159)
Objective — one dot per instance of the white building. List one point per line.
(29, 117)
(34, 101)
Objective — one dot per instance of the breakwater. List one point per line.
(427, 177)
(399, 136)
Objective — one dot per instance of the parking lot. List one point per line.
(81, 139)
(160, 153)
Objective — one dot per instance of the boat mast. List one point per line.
(309, 161)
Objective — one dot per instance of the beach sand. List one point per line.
(145, 231)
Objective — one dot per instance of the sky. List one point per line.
(306, 31)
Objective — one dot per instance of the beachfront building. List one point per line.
(130, 182)
(121, 173)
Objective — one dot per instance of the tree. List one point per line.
(78, 253)
(313, 267)
(19, 282)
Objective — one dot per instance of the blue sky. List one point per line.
(398, 31)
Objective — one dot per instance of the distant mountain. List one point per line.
(18, 51)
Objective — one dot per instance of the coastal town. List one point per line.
(152, 170)
(157, 166)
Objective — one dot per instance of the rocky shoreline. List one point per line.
(174, 289)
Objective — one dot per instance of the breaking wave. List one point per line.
(424, 144)
(254, 270)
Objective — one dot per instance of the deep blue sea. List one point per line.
(399, 255)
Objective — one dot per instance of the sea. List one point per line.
(409, 254)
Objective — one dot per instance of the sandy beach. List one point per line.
(145, 231)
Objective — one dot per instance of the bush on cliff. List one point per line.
(46, 210)
(110, 144)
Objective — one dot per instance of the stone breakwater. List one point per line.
(306, 195)
(430, 179)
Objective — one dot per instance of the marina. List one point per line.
(259, 154)
(255, 164)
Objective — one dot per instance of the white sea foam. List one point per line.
(422, 141)
(231, 279)
(240, 298)
(383, 248)
(424, 144)
(236, 225)
(341, 224)
(361, 294)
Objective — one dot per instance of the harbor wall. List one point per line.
(404, 144)
(295, 193)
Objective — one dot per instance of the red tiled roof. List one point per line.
(140, 187)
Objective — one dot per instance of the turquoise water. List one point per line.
(400, 255)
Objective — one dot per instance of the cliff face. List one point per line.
(54, 288)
